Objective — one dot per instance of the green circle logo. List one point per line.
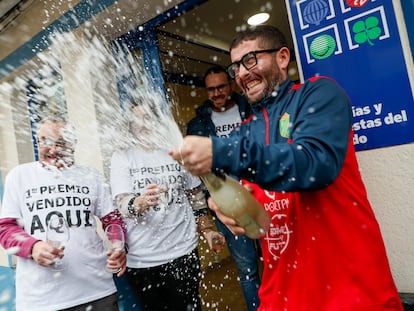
(323, 46)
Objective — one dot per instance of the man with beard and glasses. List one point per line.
(223, 111)
(324, 250)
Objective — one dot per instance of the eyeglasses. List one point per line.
(219, 88)
(145, 117)
(49, 142)
(248, 60)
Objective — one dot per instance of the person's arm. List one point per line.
(133, 205)
(113, 217)
(13, 236)
(195, 127)
(15, 240)
(201, 124)
(116, 259)
(313, 156)
(197, 199)
(130, 205)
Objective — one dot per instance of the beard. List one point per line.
(273, 78)
(61, 161)
(273, 84)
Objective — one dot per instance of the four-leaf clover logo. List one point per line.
(367, 30)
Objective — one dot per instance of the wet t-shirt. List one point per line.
(163, 233)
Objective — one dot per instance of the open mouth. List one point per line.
(251, 84)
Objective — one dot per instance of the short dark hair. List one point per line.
(216, 69)
(270, 37)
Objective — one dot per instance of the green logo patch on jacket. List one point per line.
(284, 125)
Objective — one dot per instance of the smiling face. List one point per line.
(264, 78)
(144, 127)
(140, 122)
(219, 91)
(56, 144)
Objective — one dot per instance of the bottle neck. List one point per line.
(214, 181)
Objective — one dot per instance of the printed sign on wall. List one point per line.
(357, 43)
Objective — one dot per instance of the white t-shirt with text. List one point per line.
(161, 234)
(33, 194)
(226, 121)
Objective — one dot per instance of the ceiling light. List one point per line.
(258, 19)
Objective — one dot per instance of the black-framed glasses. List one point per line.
(248, 60)
(50, 142)
(219, 88)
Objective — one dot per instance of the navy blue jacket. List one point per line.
(296, 141)
(202, 125)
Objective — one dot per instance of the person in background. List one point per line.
(160, 203)
(324, 249)
(218, 116)
(36, 192)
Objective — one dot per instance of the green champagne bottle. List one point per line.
(236, 202)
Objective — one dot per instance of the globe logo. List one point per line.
(315, 11)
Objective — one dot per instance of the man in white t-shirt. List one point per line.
(218, 116)
(37, 192)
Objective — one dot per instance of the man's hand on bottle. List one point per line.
(228, 221)
(195, 154)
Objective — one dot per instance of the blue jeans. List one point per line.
(127, 300)
(244, 253)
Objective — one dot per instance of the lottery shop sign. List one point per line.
(357, 43)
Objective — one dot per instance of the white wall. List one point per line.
(76, 72)
(15, 137)
(389, 178)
